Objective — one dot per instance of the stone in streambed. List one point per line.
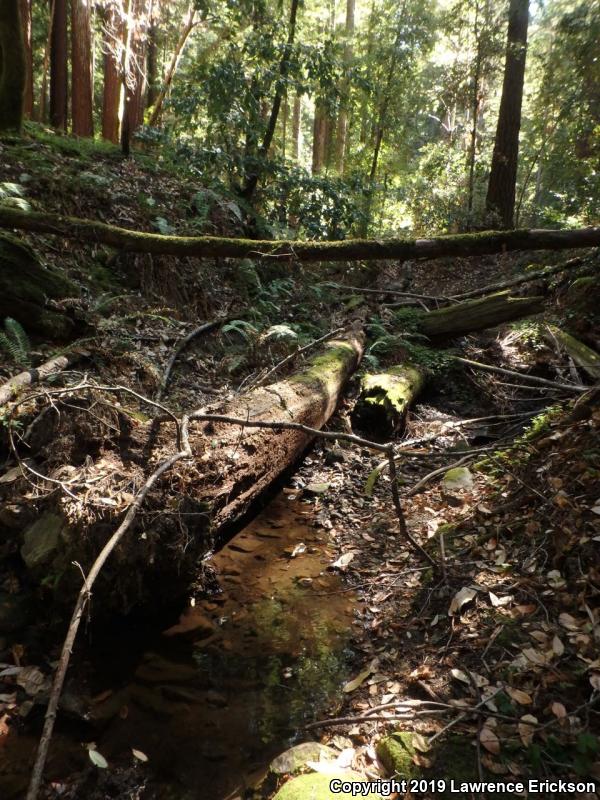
(315, 786)
(296, 757)
(396, 753)
(41, 541)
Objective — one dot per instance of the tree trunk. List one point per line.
(284, 66)
(112, 56)
(172, 69)
(385, 398)
(342, 122)
(477, 315)
(467, 244)
(58, 67)
(500, 201)
(26, 24)
(81, 69)
(152, 58)
(319, 138)
(134, 77)
(296, 119)
(12, 66)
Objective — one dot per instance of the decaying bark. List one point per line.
(468, 244)
(100, 450)
(478, 315)
(385, 398)
(582, 355)
(12, 386)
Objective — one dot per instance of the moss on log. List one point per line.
(582, 355)
(385, 398)
(25, 288)
(190, 505)
(468, 244)
(477, 315)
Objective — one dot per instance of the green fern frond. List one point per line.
(15, 342)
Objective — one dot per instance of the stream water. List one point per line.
(213, 698)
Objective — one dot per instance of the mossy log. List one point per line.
(468, 244)
(582, 355)
(25, 288)
(187, 509)
(478, 315)
(385, 398)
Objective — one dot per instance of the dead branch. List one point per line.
(82, 601)
(51, 367)
(181, 346)
(567, 387)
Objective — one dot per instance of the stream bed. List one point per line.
(212, 699)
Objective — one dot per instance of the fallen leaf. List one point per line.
(558, 647)
(358, 681)
(595, 680)
(519, 696)
(465, 595)
(568, 622)
(420, 742)
(489, 740)
(534, 656)
(139, 755)
(97, 759)
(498, 602)
(559, 710)
(526, 728)
(343, 561)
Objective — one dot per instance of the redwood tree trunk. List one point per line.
(58, 66)
(134, 75)
(81, 68)
(500, 201)
(342, 123)
(319, 138)
(26, 24)
(296, 116)
(113, 42)
(12, 66)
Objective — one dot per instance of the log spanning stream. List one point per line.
(213, 698)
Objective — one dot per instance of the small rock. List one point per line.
(41, 540)
(296, 757)
(315, 786)
(458, 478)
(335, 456)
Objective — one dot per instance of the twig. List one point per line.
(180, 347)
(391, 292)
(80, 605)
(462, 716)
(568, 387)
(440, 471)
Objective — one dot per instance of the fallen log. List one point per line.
(57, 364)
(477, 315)
(385, 398)
(467, 244)
(582, 355)
(519, 280)
(230, 469)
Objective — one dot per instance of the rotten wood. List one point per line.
(54, 365)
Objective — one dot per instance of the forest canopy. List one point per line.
(368, 117)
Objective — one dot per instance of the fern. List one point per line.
(15, 342)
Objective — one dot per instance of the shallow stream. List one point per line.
(213, 698)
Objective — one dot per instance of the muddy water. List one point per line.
(213, 698)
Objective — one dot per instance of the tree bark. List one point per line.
(500, 201)
(284, 67)
(385, 398)
(112, 55)
(342, 122)
(477, 315)
(582, 355)
(58, 67)
(467, 244)
(81, 69)
(12, 66)
(26, 24)
(296, 119)
(172, 69)
(319, 138)
(152, 58)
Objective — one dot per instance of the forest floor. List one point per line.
(498, 651)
